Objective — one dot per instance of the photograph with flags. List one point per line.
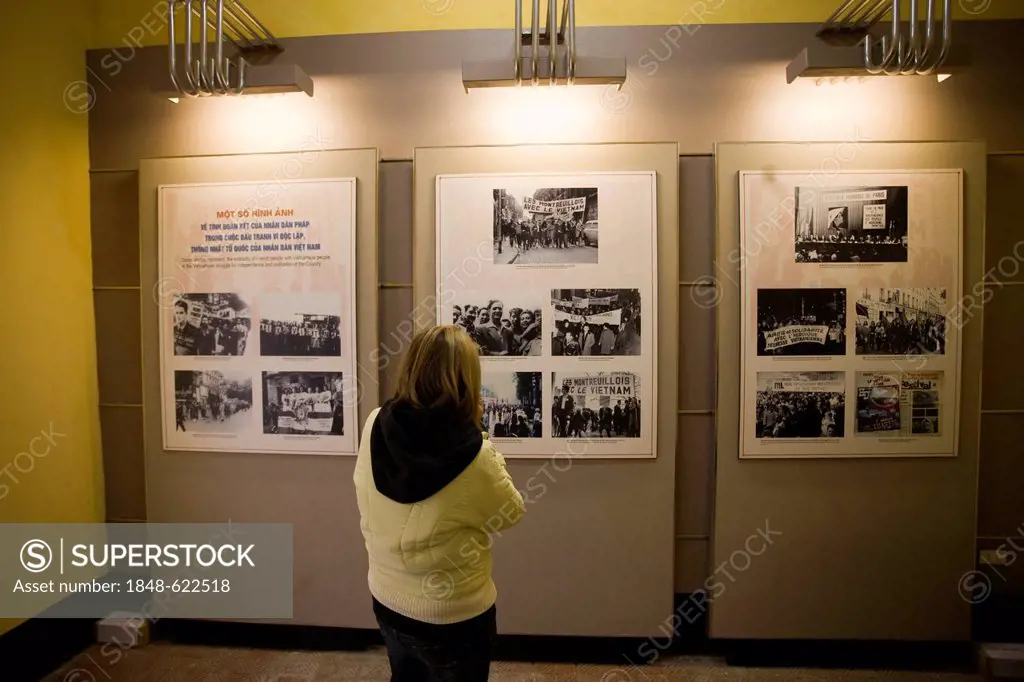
(547, 225)
(210, 324)
(851, 224)
(303, 403)
(800, 322)
(901, 322)
(513, 404)
(592, 322)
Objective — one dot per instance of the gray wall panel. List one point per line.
(395, 332)
(696, 218)
(1003, 374)
(696, 348)
(1001, 508)
(124, 465)
(114, 219)
(695, 471)
(395, 228)
(118, 346)
(1004, 233)
(692, 570)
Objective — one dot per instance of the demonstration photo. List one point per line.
(801, 322)
(210, 324)
(851, 224)
(878, 404)
(508, 327)
(901, 322)
(595, 322)
(303, 403)
(596, 405)
(212, 401)
(300, 325)
(551, 225)
(512, 404)
(801, 404)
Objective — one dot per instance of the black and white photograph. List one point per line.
(852, 224)
(801, 405)
(901, 322)
(546, 226)
(303, 403)
(801, 322)
(878, 404)
(921, 393)
(212, 401)
(590, 322)
(512, 404)
(300, 325)
(211, 325)
(509, 326)
(596, 405)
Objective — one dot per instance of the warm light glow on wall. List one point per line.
(540, 114)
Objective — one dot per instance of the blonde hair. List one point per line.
(442, 369)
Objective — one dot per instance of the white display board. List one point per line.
(851, 320)
(257, 329)
(566, 266)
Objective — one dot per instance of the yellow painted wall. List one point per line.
(141, 22)
(47, 333)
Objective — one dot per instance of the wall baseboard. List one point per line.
(25, 660)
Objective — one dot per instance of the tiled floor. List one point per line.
(162, 662)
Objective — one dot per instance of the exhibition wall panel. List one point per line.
(312, 492)
(617, 507)
(811, 540)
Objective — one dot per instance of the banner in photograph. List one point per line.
(798, 333)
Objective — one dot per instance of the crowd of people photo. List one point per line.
(821, 312)
(314, 336)
(552, 220)
(898, 335)
(512, 420)
(596, 322)
(516, 333)
(572, 420)
(208, 401)
(210, 324)
(851, 249)
(310, 404)
(800, 414)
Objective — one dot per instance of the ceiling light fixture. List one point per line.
(545, 58)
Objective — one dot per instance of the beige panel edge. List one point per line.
(799, 588)
(337, 572)
(619, 606)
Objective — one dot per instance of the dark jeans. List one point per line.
(421, 652)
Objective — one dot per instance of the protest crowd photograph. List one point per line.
(800, 405)
(500, 330)
(595, 322)
(211, 401)
(596, 405)
(210, 324)
(305, 403)
(512, 404)
(901, 322)
(801, 322)
(851, 225)
(546, 226)
(300, 325)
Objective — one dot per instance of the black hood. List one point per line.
(416, 452)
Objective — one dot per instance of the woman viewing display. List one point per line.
(430, 488)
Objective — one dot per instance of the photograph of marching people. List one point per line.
(595, 405)
(210, 324)
(212, 401)
(878, 403)
(512, 404)
(595, 322)
(548, 225)
(305, 403)
(801, 322)
(801, 404)
(851, 224)
(300, 325)
(508, 327)
(901, 322)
